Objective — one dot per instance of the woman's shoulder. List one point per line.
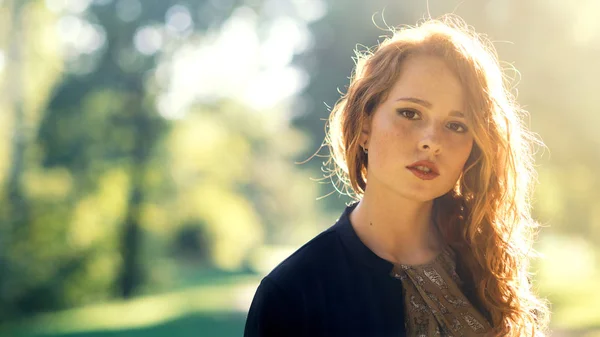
(314, 258)
(279, 304)
(322, 260)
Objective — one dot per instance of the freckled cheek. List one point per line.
(403, 133)
(386, 132)
(460, 149)
(390, 146)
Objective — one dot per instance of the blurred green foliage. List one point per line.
(103, 194)
(150, 150)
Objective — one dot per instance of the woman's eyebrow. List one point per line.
(428, 105)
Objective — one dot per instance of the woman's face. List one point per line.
(418, 138)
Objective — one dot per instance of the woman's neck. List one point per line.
(397, 229)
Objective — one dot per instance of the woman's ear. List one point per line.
(365, 133)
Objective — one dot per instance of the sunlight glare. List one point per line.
(178, 19)
(148, 40)
(310, 10)
(2, 61)
(236, 63)
(77, 6)
(79, 36)
(56, 6)
(586, 25)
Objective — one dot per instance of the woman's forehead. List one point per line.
(428, 80)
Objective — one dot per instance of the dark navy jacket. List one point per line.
(332, 286)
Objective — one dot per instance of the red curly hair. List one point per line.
(486, 218)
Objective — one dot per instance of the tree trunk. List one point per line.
(16, 216)
(132, 273)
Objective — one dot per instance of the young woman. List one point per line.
(431, 143)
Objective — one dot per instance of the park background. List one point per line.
(152, 152)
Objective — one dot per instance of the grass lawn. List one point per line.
(216, 305)
(216, 309)
(575, 305)
(191, 325)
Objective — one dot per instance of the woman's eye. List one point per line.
(458, 127)
(409, 114)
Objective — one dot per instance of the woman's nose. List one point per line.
(430, 142)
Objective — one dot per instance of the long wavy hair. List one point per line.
(486, 217)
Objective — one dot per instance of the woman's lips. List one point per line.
(423, 175)
(428, 171)
(425, 163)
